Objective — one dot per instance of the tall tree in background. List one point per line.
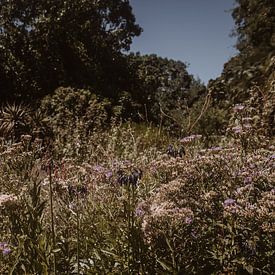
(255, 26)
(48, 43)
(160, 84)
(255, 64)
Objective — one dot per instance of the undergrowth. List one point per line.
(130, 199)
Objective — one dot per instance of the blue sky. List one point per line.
(196, 32)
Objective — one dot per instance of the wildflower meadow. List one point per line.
(117, 161)
(125, 200)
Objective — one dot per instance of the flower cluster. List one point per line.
(7, 199)
(5, 248)
(213, 196)
(132, 178)
(174, 152)
(190, 139)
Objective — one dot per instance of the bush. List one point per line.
(69, 109)
(119, 201)
(214, 209)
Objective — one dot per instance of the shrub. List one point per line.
(122, 201)
(69, 109)
(213, 212)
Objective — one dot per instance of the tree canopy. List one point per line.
(83, 44)
(161, 91)
(254, 64)
(160, 83)
(48, 43)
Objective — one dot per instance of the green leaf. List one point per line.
(165, 266)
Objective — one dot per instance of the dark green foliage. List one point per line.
(253, 67)
(73, 109)
(14, 121)
(207, 120)
(254, 64)
(50, 43)
(255, 25)
(163, 81)
(160, 85)
(81, 44)
(18, 119)
(33, 250)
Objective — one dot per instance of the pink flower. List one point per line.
(248, 180)
(109, 174)
(237, 129)
(229, 202)
(99, 168)
(191, 138)
(4, 198)
(238, 108)
(188, 220)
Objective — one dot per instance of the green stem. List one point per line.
(78, 235)
(129, 226)
(52, 216)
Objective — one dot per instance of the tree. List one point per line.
(254, 21)
(160, 84)
(48, 43)
(255, 31)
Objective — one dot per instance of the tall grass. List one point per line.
(132, 200)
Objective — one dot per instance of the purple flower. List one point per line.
(139, 212)
(229, 202)
(217, 148)
(5, 248)
(186, 140)
(190, 138)
(6, 251)
(188, 220)
(247, 180)
(3, 245)
(194, 234)
(109, 174)
(140, 209)
(237, 129)
(98, 168)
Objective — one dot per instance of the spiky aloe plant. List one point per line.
(40, 125)
(14, 120)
